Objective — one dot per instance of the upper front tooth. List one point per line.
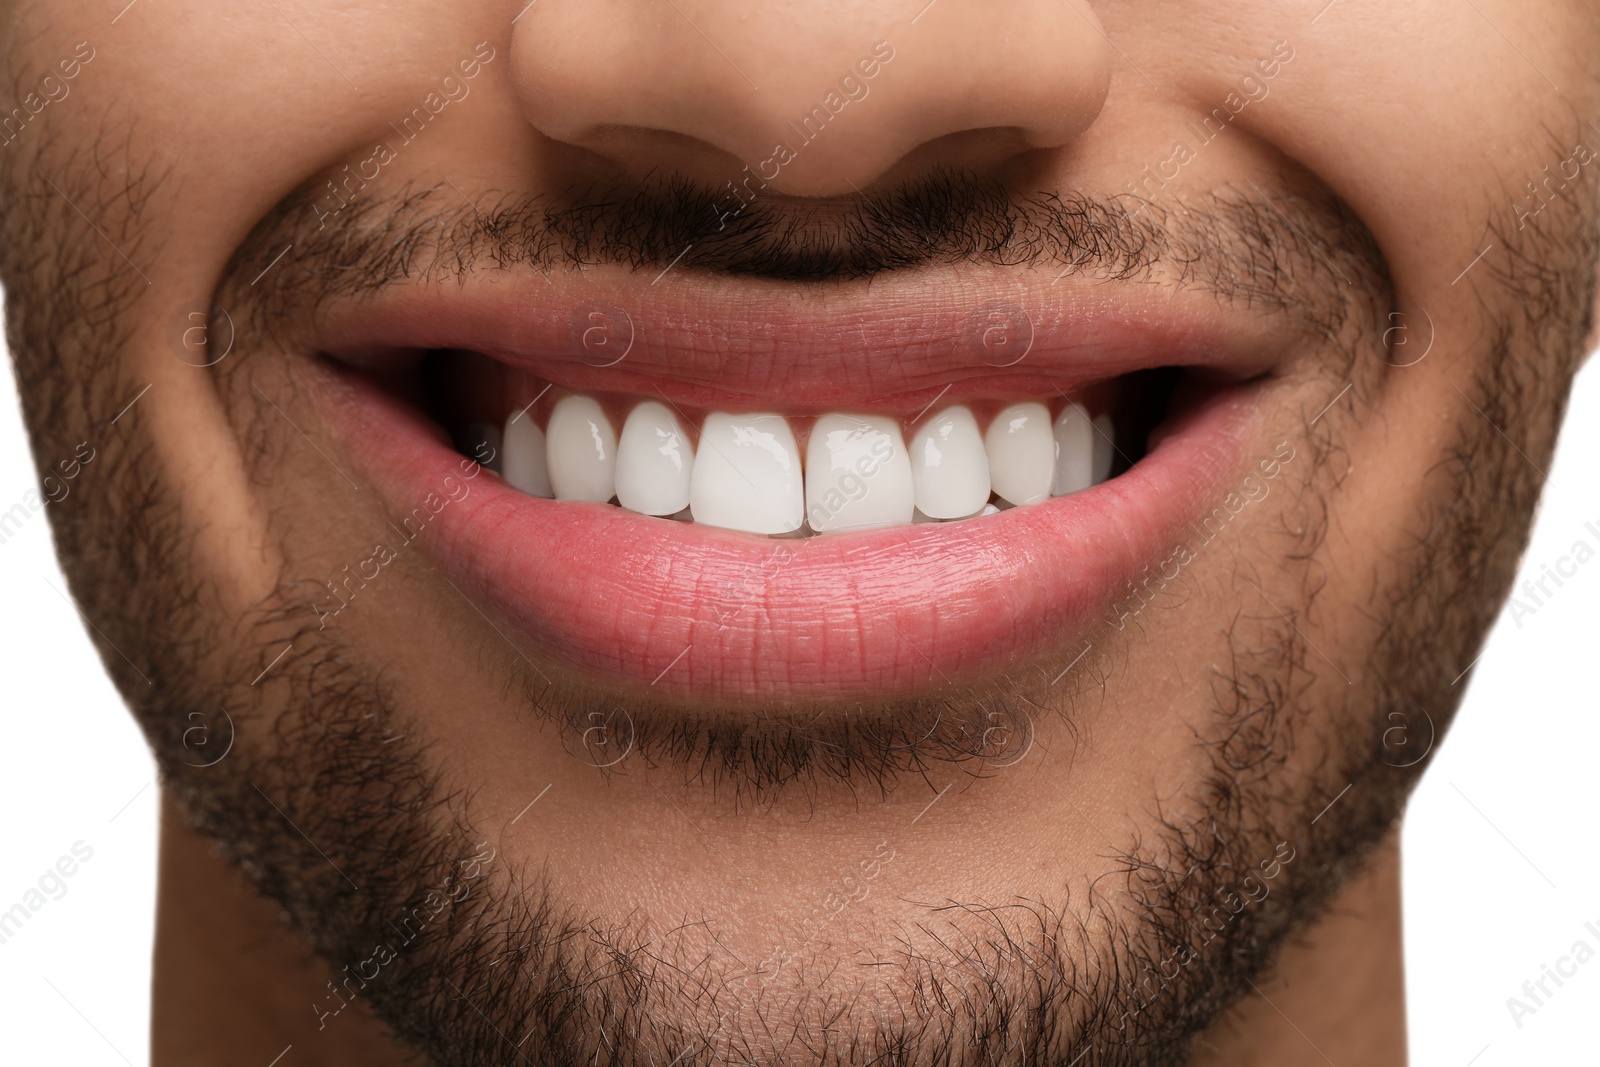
(582, 451)
(654, 461)
(747, 475)
(523, 463)
(858, 474)
(1074, 442)
(1104, 445)
(948, 465)
(1021, 453)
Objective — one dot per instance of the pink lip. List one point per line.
(897, 343)
(694, 613)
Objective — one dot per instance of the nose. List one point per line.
(818, 98)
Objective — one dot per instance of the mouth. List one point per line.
(729, 495)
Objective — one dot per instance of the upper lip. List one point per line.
(899, 342)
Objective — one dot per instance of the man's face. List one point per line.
(1255, 321)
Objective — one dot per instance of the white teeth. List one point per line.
(1074, 444)
(654, 461)
(583, 451)
(747, 475)
(1104, 444)
(522, 456)
(1021, 453)
(948, 465)
(858, 474)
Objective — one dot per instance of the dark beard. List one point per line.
(353, 833)
(356, 835)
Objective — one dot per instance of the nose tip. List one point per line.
(818, 99)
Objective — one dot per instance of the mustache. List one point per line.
(1303, 252)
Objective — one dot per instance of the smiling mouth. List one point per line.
(785, 474)
(806, 509)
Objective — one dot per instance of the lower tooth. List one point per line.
(747, 475)
(523, 461)
(582, 451)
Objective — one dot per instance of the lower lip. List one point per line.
(687, 612)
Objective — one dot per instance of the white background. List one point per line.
(1501, 867)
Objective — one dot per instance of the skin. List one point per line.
(1421, 395)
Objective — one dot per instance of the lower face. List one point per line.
(696, 667)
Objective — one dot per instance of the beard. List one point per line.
(338, 811)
